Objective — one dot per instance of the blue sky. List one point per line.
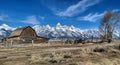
(84, 14)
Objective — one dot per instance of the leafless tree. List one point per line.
(108, 24)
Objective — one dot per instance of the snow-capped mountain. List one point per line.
(59, 31)
(64, 31)
(6, 27)
(5, 30)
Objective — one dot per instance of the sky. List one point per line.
(83, 14)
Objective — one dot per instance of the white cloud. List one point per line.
(42, 17)
(116, 10)
(91, 17)
(94, 17)
(81, 6)
(3, 17)
(31, 20)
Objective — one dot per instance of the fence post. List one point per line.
(62, 42)
(32, 43)
(5, 43)
(11, 43)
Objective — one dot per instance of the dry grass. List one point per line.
(85, 54)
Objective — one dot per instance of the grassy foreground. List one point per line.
(86, 54)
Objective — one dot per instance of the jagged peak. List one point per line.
(6, 27)
(72, 26)
(36, 26)
(48, 26)
(58, 25)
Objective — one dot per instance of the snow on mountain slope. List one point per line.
(59, 31)
(6, 27)
(64, 31)
(5, 30)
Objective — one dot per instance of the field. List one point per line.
(69, 54)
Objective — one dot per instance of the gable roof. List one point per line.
(18, 31)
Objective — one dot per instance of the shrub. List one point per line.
(99, 50)
(73, 64)
(53, 61)
(67, 56)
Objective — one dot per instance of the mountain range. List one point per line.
(58, 31)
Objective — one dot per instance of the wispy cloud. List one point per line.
(116, 10)
(91, 17)
(3, 17)
(81, 6)
(42, 17)
(31, 20)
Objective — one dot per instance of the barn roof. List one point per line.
(18, 31)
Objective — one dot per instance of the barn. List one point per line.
(26, 35)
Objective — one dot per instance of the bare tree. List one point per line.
(108, 24)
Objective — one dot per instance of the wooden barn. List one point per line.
(26, 35)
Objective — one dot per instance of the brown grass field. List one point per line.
(74, 54)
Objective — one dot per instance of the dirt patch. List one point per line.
(95, 54)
